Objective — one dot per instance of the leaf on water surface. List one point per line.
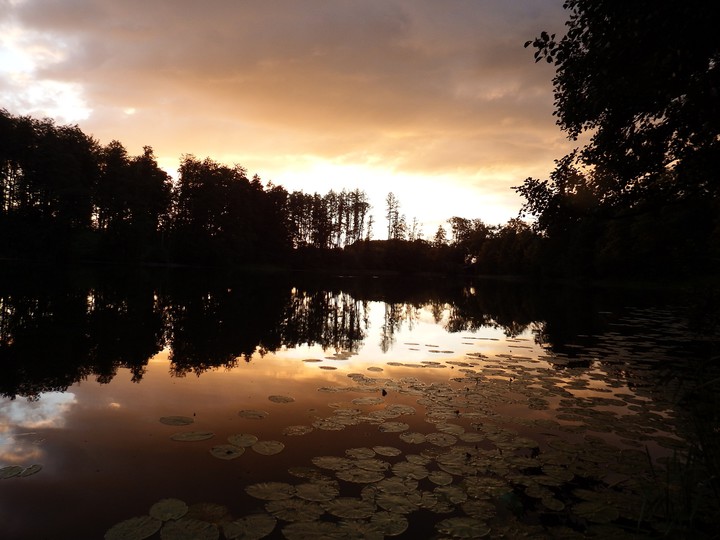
(317, 491)
(328, 425)
(209, 512)
(281, 399)
(295, 509)
(268, 448)
(390, 523)
(413, 437)
(463, 527)
(166, 509)
(399, 504)
(253, 414)
(227, 451)
(333, 463)
(441, 478)
(418, 459)
(356, 528)
(350, 508)
(479, 509)
(10, 471)
(372, 464)
(176, 420)
(251, 527)
(451, 429)
(192, 436)
(189, 529)
(398, 485)
(359, 476)
(294, 431)
(400, 409)
(393, 427)
(471, 437)
(389, 451)
(244, 440)
(441, 439)
(360, 453)
(451, 494)
(137, 528)
(271, 491)
(404, 469)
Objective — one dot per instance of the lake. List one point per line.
(192, 405)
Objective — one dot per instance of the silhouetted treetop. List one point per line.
(644, 80)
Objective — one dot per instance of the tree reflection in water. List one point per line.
(58, 327)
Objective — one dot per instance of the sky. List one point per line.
(436, 101)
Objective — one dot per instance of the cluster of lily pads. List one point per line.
(512, 446)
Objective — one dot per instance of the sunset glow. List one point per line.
(436, 102)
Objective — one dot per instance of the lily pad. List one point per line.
(32, 469)
(393, 427)
(441, 439)
(296, 431)
(388, 451)
(413, 437)
(253, 414)
(390, 523)
(360, 453)
(333, 463)
(11, 471)
(295, 509)
(192, 436)
(441, 478)
(317, 491)
(137, 528)
(271, 491)
(399, 504)
(404, 469)
(268, 448)
(167, 509)
(176, 420)
(281, 399)
(244, 440)
(328, 425)
(360, 476)
(252, 527)
(350, 508)
(227, 451)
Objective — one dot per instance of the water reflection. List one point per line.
(401, 407)
(54, 333)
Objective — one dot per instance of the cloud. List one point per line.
(420, 85)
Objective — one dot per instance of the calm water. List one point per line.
(354, 409)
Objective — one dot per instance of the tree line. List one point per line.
(63, 196)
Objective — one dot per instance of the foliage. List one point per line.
(642, 84)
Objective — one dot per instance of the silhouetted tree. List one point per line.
(643, 83)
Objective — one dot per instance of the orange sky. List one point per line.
(434, 100)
